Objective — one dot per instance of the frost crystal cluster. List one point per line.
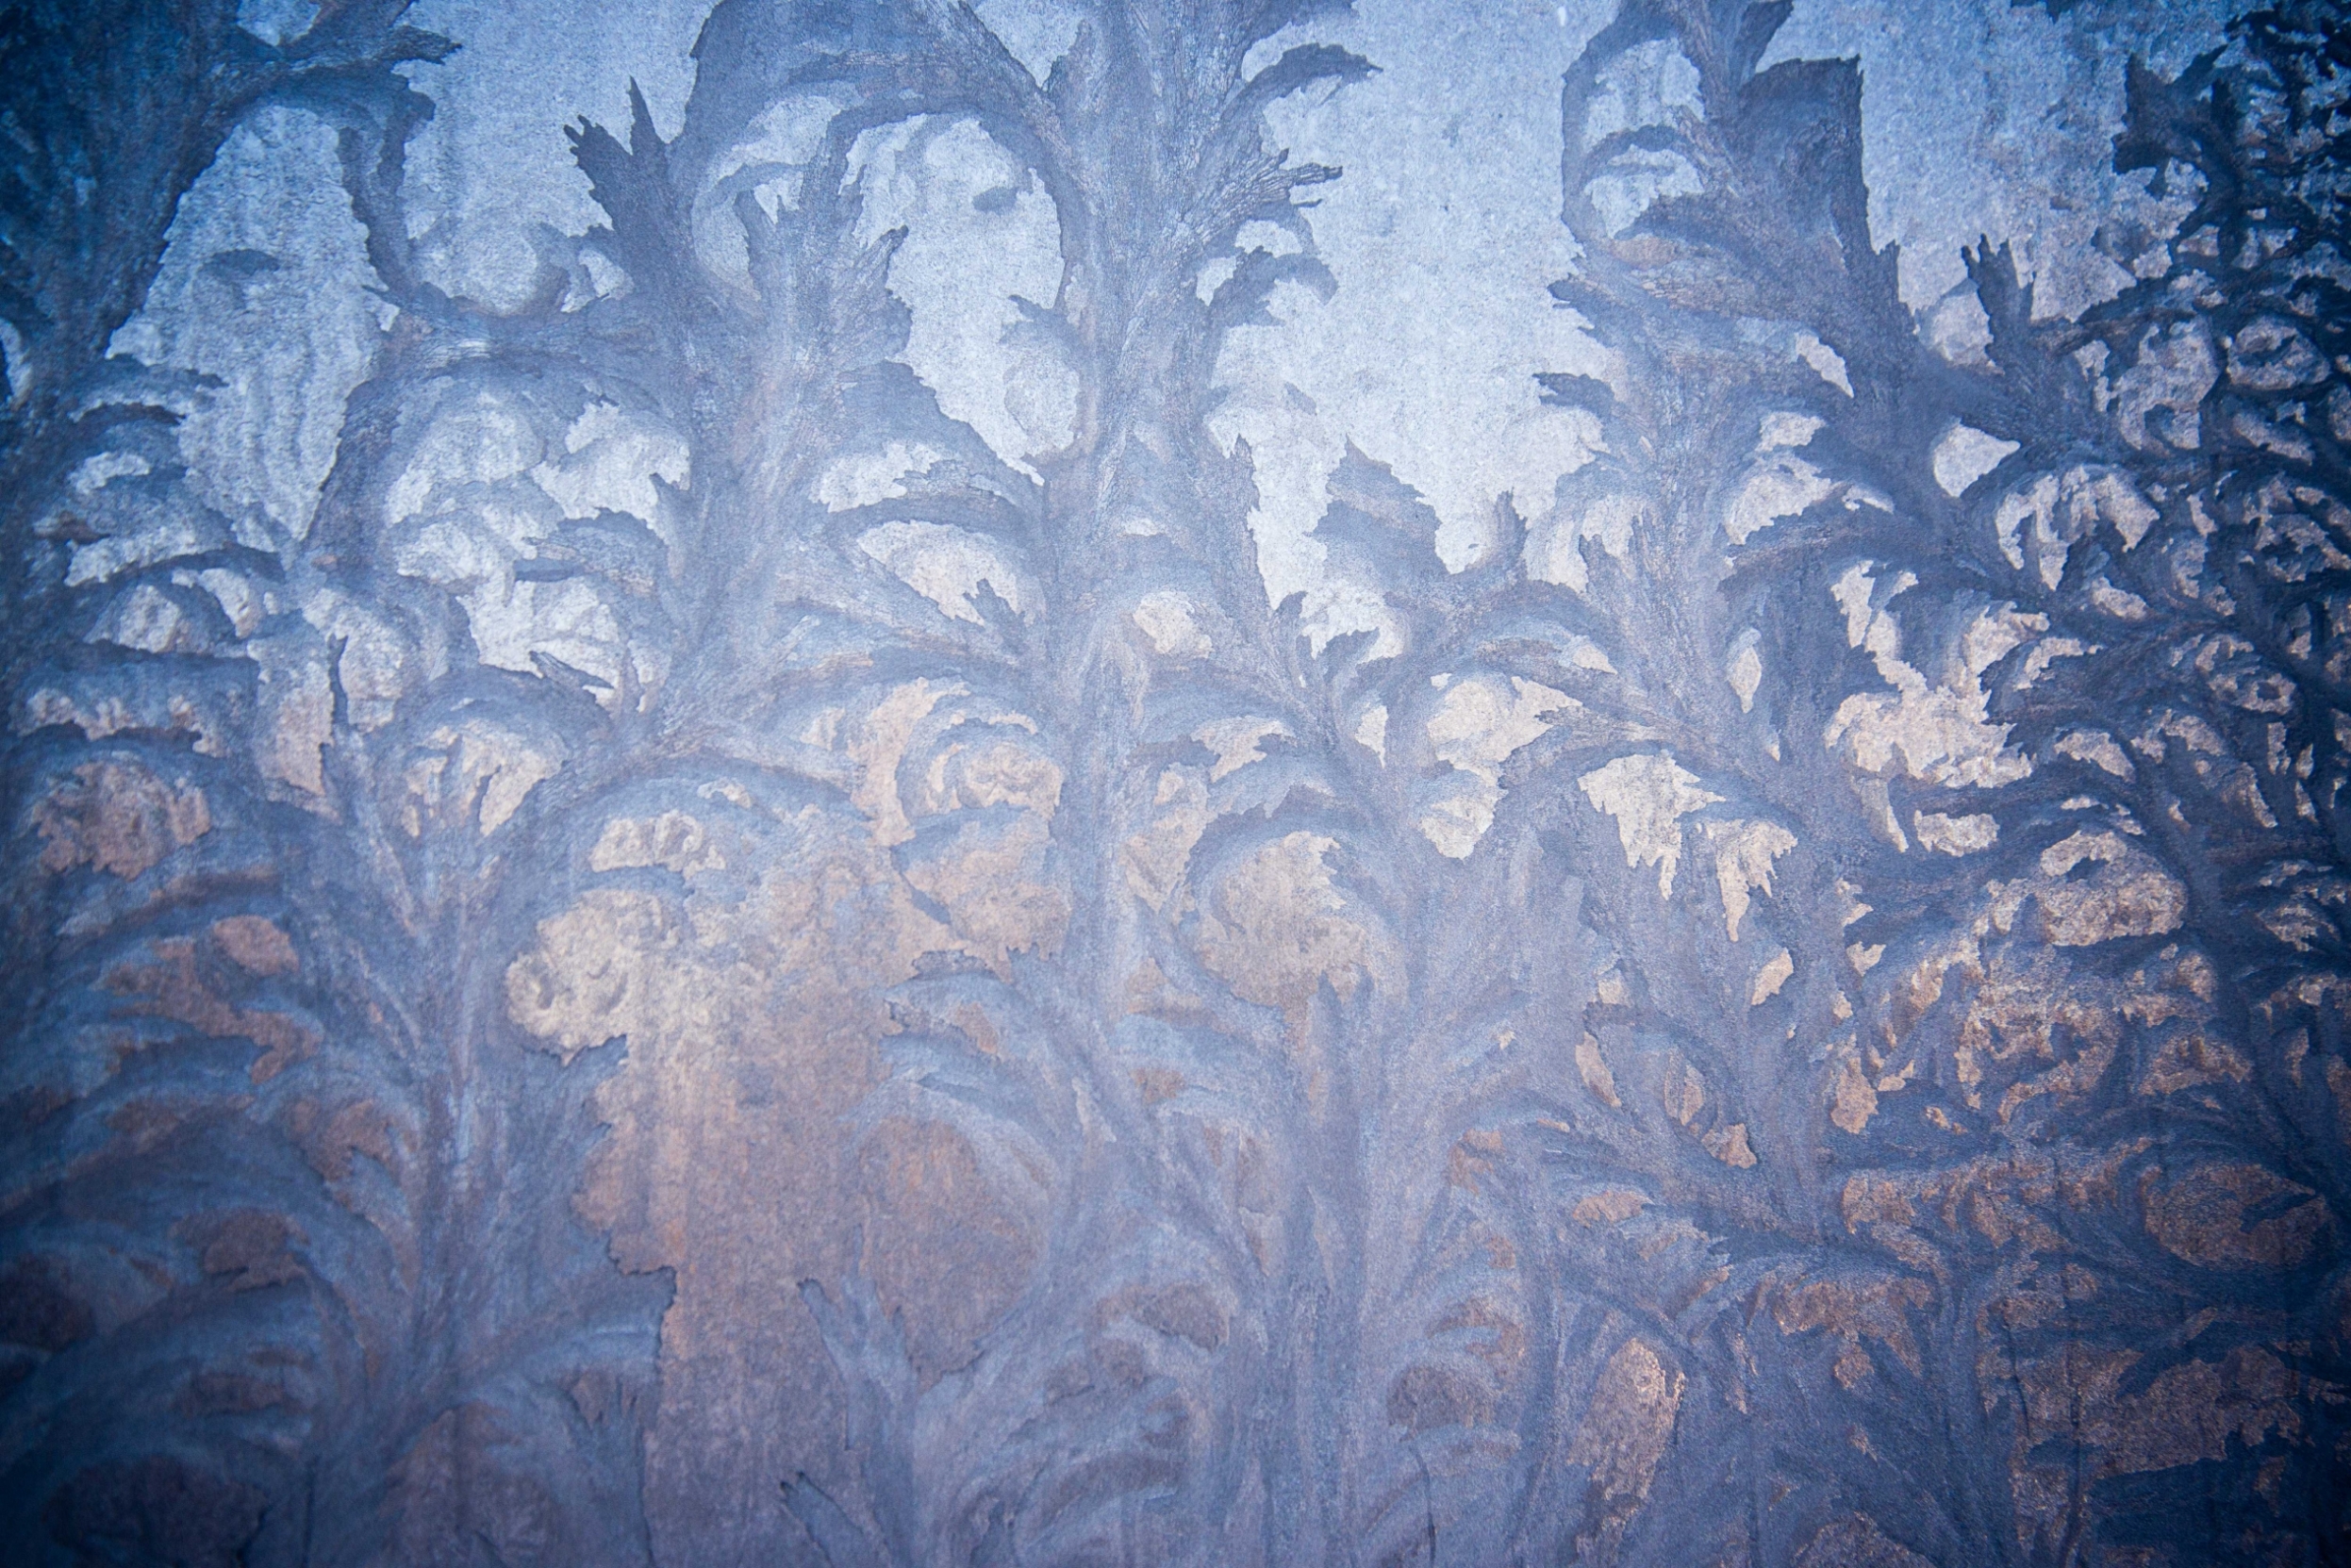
(893, 783)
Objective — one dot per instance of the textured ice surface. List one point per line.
(1986, 118)
(1066, 782)
(265, 288)
(492, 170)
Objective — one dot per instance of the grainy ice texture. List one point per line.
(1175, 782)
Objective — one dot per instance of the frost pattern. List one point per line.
(873, 823)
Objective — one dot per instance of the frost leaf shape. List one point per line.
(2128, 894)
(1649, 796)
(1937, 732)
(1966, 454)
(1955, 836)
(1623, 1435)
(1743, 853)
(1479, 724)
(946, 566)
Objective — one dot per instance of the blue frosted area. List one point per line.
(893, 783)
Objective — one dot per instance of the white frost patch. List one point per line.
(2066, 853)
(1272, 238)
(473, 553)
(1474, 730)
(1744, 853)
(2128, 893)
(1991, 119)
(1992, 634)
(598, 278)
(2037, 502)
(478, 761)
(1236, 741)
(1635, 181)
(475, 441)
(1439, 304)
(2064, 510)
(1648, 796)
(2047, 653)
(2119, 602)
(1371, 730)
(265, 286)
(1934, 731)
(1646, 84)
(870, 478)
(1744, 671)
(146, 618)
(92, 475)
(769, 160)
(517, 775)
(567, 621)
(2098, 746)
(244, 604)
(1826, 362)
(486, 175)
(1036, 32)
(1964, 454)
(982, 236)
(295, 701)
(611, 459)
(1649, 84)
(1584, 653)
(945, 565)
(1955, 836)
(2186, 728)
(1957, 328)
(1783, 486)
(1788, 430)
(2121, 504)
(374, 668)
(1555, 545)
(1294, 449)
(100, 559)
(1164, 616)
(1770, 977)
(21, 371)
(674, 840)
(1878, 806)
(779, 144)
(2175, 368)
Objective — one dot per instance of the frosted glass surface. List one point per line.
(1242, 782)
